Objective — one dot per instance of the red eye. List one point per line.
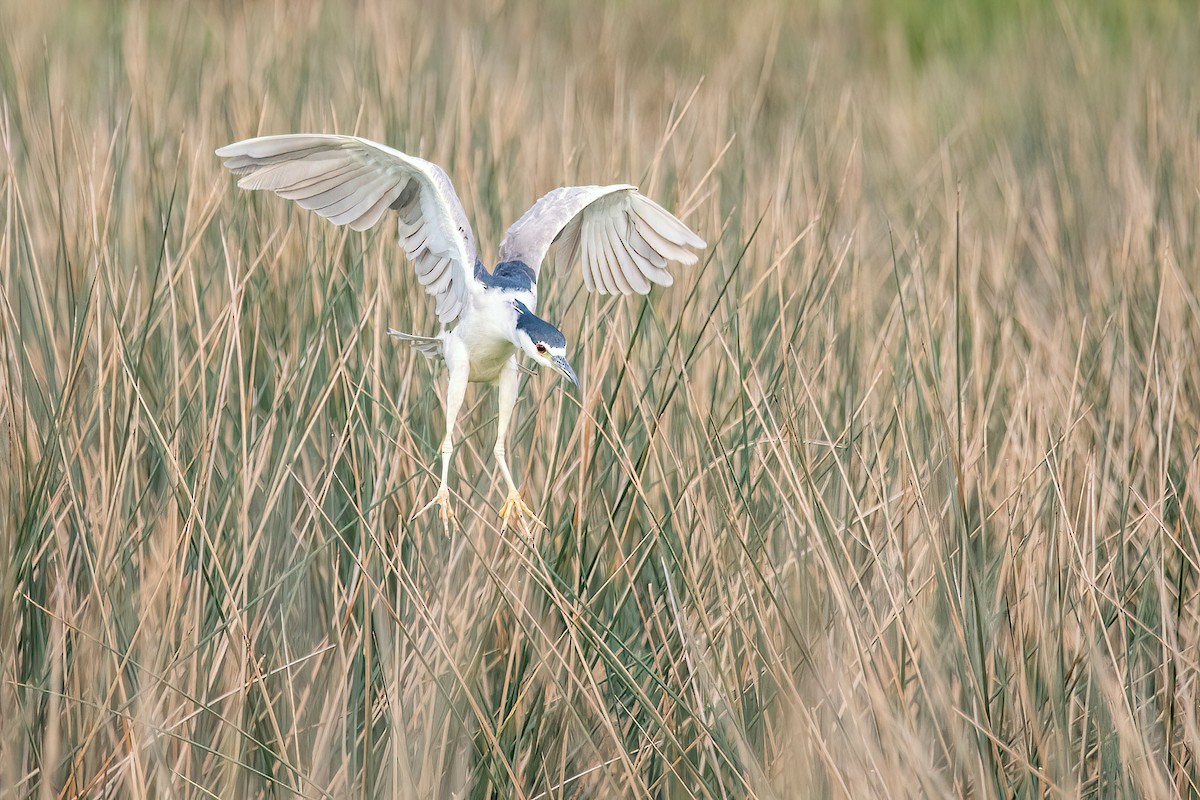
(541, 348)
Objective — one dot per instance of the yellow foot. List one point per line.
(514, 510)
(445, 513)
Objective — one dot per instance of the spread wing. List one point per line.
(353, 181)
(623, 238)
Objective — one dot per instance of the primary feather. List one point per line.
(353, 181)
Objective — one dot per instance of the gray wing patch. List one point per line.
(513, 275)
(623, 240)
(528, 239)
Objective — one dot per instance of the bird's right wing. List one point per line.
(353, 181)
(623, 238)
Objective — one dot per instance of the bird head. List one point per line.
(543, 342)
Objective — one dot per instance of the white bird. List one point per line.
(623, 241)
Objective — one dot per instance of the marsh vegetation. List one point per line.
(893, 495)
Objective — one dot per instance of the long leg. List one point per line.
(457, 370)
(456, 389)
(507, 394)
(514, 507)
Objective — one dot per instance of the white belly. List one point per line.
(485, 330)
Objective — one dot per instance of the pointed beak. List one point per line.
(562, 366)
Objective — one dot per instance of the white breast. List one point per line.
(486, 330)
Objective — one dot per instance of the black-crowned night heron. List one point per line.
(624, 241)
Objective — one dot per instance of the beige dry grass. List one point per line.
(895, 496)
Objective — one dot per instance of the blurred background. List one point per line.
(892, 495)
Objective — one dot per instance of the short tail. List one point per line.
(428, 346)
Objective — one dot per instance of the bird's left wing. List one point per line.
(353, 181)
(623, 238)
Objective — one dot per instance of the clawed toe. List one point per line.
(515, 510)
(445, 512)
